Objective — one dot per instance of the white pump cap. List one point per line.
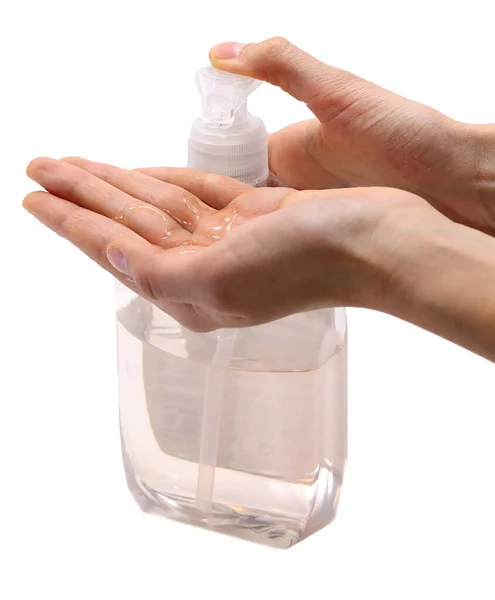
(226, 139)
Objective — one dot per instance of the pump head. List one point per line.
(226, 139)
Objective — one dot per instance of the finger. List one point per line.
(99, 237)
(326, 90)
(89, 231)
(215, 190)
(175, 201)
(80, 187)
(156, 273)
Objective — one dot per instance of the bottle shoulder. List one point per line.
(299, 342)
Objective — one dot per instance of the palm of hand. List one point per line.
(177, 264)
(212, 252)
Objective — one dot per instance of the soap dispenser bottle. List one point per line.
(241, 431)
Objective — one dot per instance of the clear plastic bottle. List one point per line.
(242, 431)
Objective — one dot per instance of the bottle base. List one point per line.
(267, 528)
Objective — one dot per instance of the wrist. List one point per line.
(366, 235)
(479, 147)
(443, 280)
(465, 189)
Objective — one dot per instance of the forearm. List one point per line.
(446, 284)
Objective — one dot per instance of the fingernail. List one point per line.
(226, 51)
(117, 260)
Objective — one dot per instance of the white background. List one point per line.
(113, 80)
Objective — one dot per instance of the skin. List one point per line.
(204, 250)
(216, 253)
(364, 135)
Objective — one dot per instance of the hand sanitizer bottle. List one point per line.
(241, 431)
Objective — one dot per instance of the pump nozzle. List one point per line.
(226, 139)
(223, 95)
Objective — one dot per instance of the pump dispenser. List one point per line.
(226, 139)
(240, 431)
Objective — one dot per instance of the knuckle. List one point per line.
(275, 59)
(277, 46)
(101, 258)
(210, 181)
(70, 224)
(341, 98)
(72, 186)
(146, 284)
(150, 277)
(147, 280)
(75, 227)
(162, 199)
(129, 207)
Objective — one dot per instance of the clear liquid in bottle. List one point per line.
(282, 436)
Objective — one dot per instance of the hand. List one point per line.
(367, 136)
(216, 253)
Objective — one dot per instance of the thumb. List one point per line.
(326, 90)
